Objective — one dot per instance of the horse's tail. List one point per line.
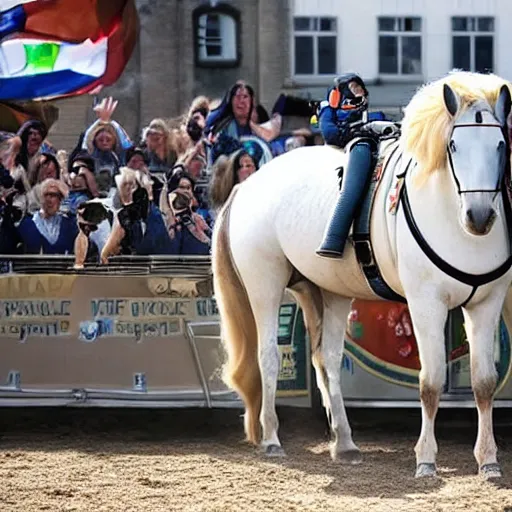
(239, 332)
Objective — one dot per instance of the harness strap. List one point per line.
(474, 280)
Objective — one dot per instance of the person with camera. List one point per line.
(342, 119)
(189, 232)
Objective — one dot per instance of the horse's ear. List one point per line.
(450, 100)
(502, 109)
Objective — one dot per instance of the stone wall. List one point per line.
(162, 78)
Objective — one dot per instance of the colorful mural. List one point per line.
(380, 338)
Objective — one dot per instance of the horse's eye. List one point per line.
(501, 145)
(453, 146)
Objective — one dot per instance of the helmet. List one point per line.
(342, 97)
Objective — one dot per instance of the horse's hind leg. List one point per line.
(481, 322)
(265, 283)
(328, 367)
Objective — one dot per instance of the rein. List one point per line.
(473, 280)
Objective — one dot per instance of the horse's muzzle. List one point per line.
(479, 221)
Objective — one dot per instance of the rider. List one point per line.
(340, 120)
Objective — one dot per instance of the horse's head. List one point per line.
(478, 155)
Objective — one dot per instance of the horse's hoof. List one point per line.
(274, 450)
(491, 470)
(349, 457)
(425, 469)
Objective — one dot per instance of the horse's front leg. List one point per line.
(429, 319)
(481, 322)
(335, 311)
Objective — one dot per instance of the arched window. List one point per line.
(217, 32)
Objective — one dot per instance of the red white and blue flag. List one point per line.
(56, 48)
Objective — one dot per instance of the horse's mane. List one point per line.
(427, 124)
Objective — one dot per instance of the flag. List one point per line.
(57, 48)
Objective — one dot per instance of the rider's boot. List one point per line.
(355, 177)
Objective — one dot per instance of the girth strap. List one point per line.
(362, 243)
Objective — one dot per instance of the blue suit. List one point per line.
(334, 123)
(335, 128)
(36, 243)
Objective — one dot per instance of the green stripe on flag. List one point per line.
(41, 57)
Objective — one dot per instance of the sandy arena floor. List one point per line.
(190, 460)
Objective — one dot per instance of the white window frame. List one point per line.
(228, 39)
(314, 33)
(472, 34)
(399, 34)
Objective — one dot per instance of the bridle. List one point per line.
(473, 280)
(450, 152)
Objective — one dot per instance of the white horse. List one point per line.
(453, 153)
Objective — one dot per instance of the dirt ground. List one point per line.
(195, 460)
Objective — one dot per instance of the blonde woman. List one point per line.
(160, 146)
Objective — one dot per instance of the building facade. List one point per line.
(188, 48)
(395, 45)
(192, 47)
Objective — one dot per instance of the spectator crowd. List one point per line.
(112, 195)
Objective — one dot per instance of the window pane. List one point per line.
(411, 55)
(459, 24)
(388, 54)
(228, 32)
(302, 23)
(328, 24)
(484, 53)
(327, 55)
(212, 26)
(387, 24)
(213, 50)
(412, 24)
(486, 24)
(461, 52)
(304, 55)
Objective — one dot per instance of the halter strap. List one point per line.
(452, 168)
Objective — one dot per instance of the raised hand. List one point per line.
(105, 109)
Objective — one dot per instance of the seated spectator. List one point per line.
(10, 213)
(159, 146)
(105, 140)
(79, 193)
(46, 166)
(160, 151)
(187, 229)
(84, 165)
(32, 135)
(138, 228)
(90, 215)
(233, 115)
(227, 173)
(49, 231)
(84, 189)
(137, 159)
(194, 161)
(190, 132)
